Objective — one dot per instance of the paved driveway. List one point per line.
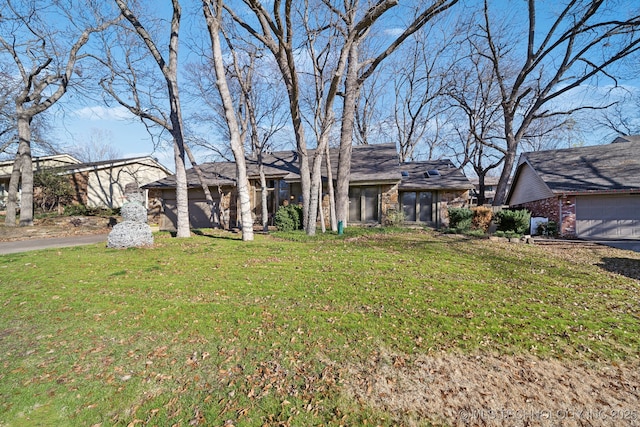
(54, 242)
(629, 245)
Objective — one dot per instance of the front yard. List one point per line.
(377, 327)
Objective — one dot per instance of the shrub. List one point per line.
(460, 218)
(52, 190)
(548, 229)
(516, 221)
(82, 210)
(288, 218)
(482, 217)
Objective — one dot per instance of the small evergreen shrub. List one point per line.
(482, 216)
(288, 218)
(516, 221)
(548, 229)
(460, 218)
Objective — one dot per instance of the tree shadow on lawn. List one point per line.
(217, 234)
(624, 266)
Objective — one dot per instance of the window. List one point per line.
(417, 206)
(364, 204)
(432, 172)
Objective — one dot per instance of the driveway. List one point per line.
(54, 242)
(629, 245)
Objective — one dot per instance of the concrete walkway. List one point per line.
(54, 242)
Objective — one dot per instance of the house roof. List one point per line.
(67, 166)
(106, 164)
(369, 163)
(433, 175)
(599, 168)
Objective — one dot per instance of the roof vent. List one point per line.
(405, 174)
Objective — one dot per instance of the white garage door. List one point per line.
(608, 217)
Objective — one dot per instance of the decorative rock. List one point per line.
(134, 211)
(134, 230)
(130, 234)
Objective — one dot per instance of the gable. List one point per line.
(527, 186)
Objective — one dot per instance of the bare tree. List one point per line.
(276, 32)
(418, 83)
(359, 70)
(584, 40)
(212, 10)
(45, 54)
(141, 101)
(97, 146)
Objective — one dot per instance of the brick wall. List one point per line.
(561, 210)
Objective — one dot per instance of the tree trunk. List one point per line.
(203, 183)
(182, 198)
(12, 196)
(509, 161)
(332, 198)
(213, 23)
(263, 194)
(346, 137)
(24, 151)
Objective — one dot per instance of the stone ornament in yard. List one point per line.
(133, 231)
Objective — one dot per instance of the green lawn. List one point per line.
(209, 329)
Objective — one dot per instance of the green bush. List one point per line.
(288, 218)
(82, 210)
(52, 190)
(516, 221)
(548, 229)
(460, 218)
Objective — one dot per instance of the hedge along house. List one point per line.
(95, 184)
(374, 187)
(590, 192)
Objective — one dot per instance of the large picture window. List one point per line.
(364, 205)
(417, 206)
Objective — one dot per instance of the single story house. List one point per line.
(96, 184)
(379, 185)
(590, 192)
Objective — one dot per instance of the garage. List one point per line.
(608, 217)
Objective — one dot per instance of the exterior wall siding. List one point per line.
(529, 187)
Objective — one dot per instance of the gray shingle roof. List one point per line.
(609, 167)
(369, 163)
(416, 176)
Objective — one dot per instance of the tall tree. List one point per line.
(583, 40)
(276, 31)
(124, 85)
(359, 69)
(212, 10)
(44, 53)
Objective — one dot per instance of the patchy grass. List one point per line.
(293, 330)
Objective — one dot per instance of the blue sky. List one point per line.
(130, 136)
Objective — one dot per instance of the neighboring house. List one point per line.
(95, 184)
(376, 186)
(490, 185)
(591, 192)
